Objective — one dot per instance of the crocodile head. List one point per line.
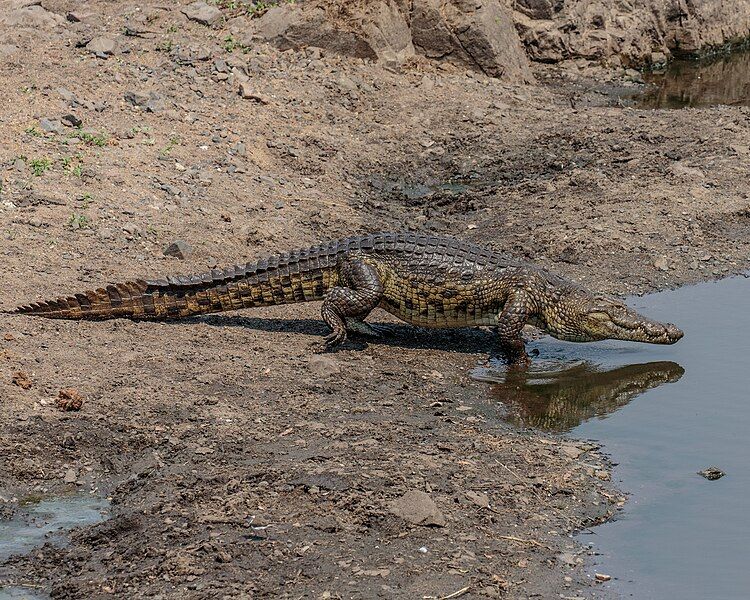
(578, 316)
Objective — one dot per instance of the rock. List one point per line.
(479, 498)
(602, 577)
(662, 263)
(70, 120)
(179, 249)
(637, 33)
(70, 476)
(33, 17)
(571, 451)
(50, 125)
(246, 92)
(323, 366)
(102, 46)
(151, 102)
(8, 49)
(202, 13)
(712, 473)
(417, 508)
(68, 96)
(480, 36)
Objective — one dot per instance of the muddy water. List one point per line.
(46, 521)
(662, 413)
(690, 83)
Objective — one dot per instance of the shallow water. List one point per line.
(663, 413)
(45, 521)
(693, 83)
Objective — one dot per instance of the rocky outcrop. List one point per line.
(630, 33)
(477, 35)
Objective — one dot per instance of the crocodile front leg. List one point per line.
(510, 324)
(346, 307)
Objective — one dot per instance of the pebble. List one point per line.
(323, 366)
(50, 125)
(202, 13)
(102, 46)
(70, 120)
(602, 577)
(179, 249)
(246, 92)
(418, 508)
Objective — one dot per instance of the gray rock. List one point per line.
(50, 125)
(202, 13)
(417, 508)
(102, 46)
(34, 17)
(151, 102)
(323, 366)
(179, 249)
(68, 96)
(246, 91)
(70, 120)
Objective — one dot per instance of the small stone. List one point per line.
(202, 13)
(662, 264)
(136, 98)
(602, 577)
(417, 508)
(658, 59)
(323, 366)
(479, 498)
(179, 249)
(70, 476)
(50, 125)
(102, 46)
(67, 95)
(246, 92)
(69, 400)
(19, 165)
(71, 120)
(571, 451)
(204, 450)
(712, 473)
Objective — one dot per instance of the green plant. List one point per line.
(173, 141)
(33, 131)
(79, 221)
(166, 45)
(40, 165)
(172, 29)
(91, 139)
(86, 199)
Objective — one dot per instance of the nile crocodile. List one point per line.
(425, 280)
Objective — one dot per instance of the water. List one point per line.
(663, 413)
(45, 521)
(692, 83)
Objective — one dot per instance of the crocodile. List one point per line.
(425, 280)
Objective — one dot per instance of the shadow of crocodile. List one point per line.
(559, 401)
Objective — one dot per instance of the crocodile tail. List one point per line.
(280, 279)
(132, 299)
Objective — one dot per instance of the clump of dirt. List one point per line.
(69, 400)
(22, 380)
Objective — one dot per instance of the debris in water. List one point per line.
(22, 380)
(69, 399)
(602, 577)
(712, 473)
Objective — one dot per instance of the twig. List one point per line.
(522, 541)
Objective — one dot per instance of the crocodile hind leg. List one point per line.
(345, 307)
(510, 323)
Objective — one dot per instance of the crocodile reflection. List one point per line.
(561, 400)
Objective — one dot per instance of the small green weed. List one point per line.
(40, 165)
(79, 221)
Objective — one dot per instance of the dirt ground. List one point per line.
(240, 464)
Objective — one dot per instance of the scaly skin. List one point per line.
(423, 280)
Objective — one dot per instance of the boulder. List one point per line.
(479, 36)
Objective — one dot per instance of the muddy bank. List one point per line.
(238, 463)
